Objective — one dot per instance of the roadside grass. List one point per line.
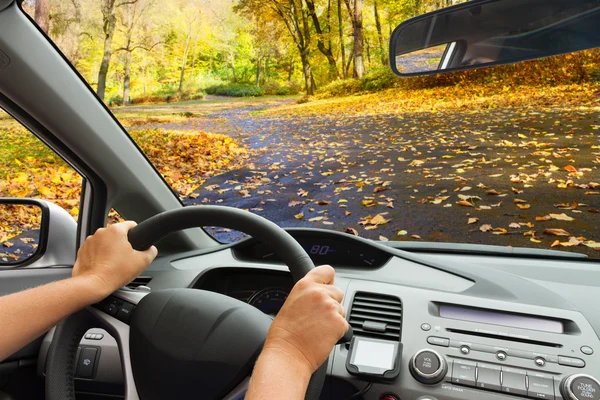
(185, 159)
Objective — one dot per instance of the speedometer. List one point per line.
(269, 300)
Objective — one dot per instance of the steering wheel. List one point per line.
(181, 343)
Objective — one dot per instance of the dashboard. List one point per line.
(463, 326)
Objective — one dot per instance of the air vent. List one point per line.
(376, 315)
(140, 281)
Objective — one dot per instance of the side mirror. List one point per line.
(492, 32)
(29, 228)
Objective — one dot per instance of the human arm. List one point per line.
(300, 339)
(105, 262)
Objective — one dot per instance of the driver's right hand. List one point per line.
(311, 321)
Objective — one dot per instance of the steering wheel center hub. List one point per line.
(186, 340)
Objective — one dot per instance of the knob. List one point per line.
(580, 387)
(428, 366)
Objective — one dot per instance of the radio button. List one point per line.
(541, 386)
(571, 362)
(488, 377)
(587, 350)
(465, 349)
(580, 387)
(438, 341)
(539, 361)
(501, 355)
(463, 372)
(513, 381)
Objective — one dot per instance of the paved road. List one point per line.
(337, 170)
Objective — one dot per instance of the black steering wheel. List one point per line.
(181, 343)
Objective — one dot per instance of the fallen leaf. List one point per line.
(415, 237)
(402, 233)
(570, 168)
(315, 219)
(493, 192)
(555, 243)
(352, 231)
(520, 201)
(556, 232)
(561, 217)
(323, 202)
(523, 206)
(486, 228)
(464, 203)
(295, 203)
(383, 239)
(299, 216)
(472, 220)
(514, 225)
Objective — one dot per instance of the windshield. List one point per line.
(309, 128)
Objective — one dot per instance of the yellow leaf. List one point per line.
(299, 216)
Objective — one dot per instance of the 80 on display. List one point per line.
(320, 250)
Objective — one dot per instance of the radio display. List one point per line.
(501, 318)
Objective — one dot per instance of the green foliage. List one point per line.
(236, 90)
(287, 89)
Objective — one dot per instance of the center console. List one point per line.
(497, 350)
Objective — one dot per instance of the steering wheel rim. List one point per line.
(62, 352)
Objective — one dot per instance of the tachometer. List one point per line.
(269, 300)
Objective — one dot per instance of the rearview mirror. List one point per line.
(22, 224)
(492, 32)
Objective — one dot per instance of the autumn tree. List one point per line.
(109, 24)
(356, 14)
(42, 14)
(295, 16)
(323, 34)
(137, 36)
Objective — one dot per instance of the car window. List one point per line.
(309, 128)
(29, 169)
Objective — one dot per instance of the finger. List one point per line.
(334, 292)
(125, 226)
(342, 311)
(152, 252)
(324, 274)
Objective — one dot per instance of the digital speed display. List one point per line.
(323, 249)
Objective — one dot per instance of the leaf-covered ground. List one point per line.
(518, 168)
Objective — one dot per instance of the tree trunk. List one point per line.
(76, 32)
(308, 76)
(188, 40)
(109, 31)
(359, 66)
(258, 72)
(379, 34)
(232, 64)
(341, 32)
(42, 14)
(291, 72)
(323, 48)
(127, 78)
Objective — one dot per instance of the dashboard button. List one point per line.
(580, 387)
(87, 360)
(125, 312)
(587, 350)
(428, 366)
(465, 350)
(463, 372)
(488, 377)
(571, 362)
(513, 381)
(425, 327)
(427, 363)
(501, 355)
(438, 341)
(541, 386)
(539, 361)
